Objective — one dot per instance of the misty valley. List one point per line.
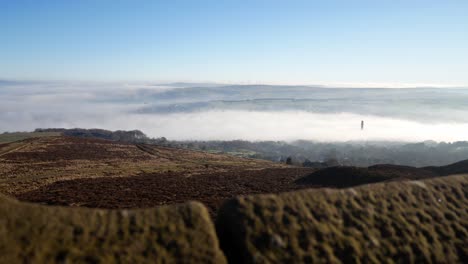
(226, 132)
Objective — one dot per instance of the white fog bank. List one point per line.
(231, 125)
(246, 112)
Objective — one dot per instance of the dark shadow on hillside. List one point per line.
(455, 168)
(155, 189)
(348, 176)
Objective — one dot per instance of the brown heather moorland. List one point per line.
(36, 162)
(412, 216)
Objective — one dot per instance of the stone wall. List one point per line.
(405, 222)
(413, 221)
(32, 233)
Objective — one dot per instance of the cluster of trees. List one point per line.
(317, 154)
(133, 136)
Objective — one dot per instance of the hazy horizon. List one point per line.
(230, 112)
(254, 70)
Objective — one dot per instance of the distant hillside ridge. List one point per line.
(8, 137)
(132, 136)
(309, 153)
(455, 168)
(348, 176)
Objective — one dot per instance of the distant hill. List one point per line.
(8, 137)
(134, 136)
(119, 135)
(455, 168)
(347, 176)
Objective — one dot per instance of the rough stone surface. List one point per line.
(404, 222)
(31, 233)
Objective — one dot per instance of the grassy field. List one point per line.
(16, 136)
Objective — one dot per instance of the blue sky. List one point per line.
(288, 42)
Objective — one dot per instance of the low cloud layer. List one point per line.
(245, 125)
(26, 106)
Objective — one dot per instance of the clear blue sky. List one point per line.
(385, 41)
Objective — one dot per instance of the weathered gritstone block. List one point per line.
(42, 234)
(409, 222)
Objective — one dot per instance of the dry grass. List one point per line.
(16, 136)
(33, 163)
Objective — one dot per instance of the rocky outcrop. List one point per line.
(409, 221)
(32, 233)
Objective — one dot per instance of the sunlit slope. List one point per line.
(16, 136)
(404, 222)
(35, 162)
